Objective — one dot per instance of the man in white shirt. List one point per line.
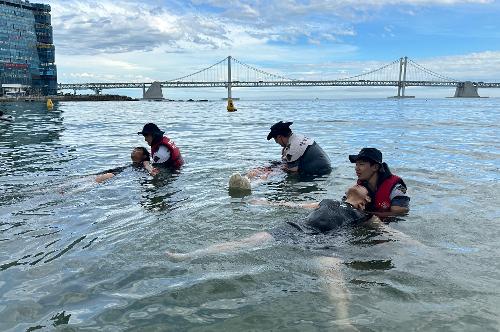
(300, 153)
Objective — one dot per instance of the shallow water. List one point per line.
(80, 255)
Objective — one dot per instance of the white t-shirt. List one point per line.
(398, 191)
(297, 145)
(161, 156)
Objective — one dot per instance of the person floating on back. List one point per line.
(140, 158)
(387, 191)
(300, 153)
(164, 152)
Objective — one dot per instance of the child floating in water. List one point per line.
(328, 216)
(244, 183)
(140, 158)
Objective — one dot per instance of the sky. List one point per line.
(132, 41)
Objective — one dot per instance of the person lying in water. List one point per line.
(251, 178)
(140, 158)
(328, 216)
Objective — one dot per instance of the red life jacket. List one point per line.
(382, 201)
(175, 160)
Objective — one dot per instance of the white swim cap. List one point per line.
(238, 182)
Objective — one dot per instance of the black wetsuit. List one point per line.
(115, 171)
(314, 161)
(328, 217)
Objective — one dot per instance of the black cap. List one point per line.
(367, 153)
(150, 128)
(279, 128)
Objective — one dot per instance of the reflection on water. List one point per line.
(160, 193)
(77, 254)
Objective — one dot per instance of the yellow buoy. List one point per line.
(230, 105)
(50, 104)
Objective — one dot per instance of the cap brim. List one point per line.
(353, 158)
(146, 133)
(269, 136)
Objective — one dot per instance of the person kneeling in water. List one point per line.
(328, 216)
(300, 153)
(164, 152)
(388, 192)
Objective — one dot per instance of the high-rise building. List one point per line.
(27, 53)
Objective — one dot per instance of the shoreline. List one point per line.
(88, 98)
(68, 98)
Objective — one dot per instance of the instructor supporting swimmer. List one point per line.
(164, 152)
(300, 154)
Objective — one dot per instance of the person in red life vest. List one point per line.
(387, 191)
(164, 152)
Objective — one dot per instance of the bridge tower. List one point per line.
(229, 78)
(403, 63)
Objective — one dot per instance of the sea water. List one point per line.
(77, 254)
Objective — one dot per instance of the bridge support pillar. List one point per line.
(154, 92)
(229, 92)
(403, 64)
(466, 90)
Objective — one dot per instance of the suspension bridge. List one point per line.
(230, 72)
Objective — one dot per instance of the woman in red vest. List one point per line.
(164, 152)
(387, 191)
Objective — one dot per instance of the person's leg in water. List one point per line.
(330, 271)
(248, 242)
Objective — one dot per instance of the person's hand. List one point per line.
(152, 170)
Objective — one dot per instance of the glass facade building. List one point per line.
(27, 53)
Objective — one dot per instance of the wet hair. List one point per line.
(145, 153)
(157, 137)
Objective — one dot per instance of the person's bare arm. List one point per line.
(103, 177)
(287, 204)
(292, 169)
(152, 170)
(395, 211)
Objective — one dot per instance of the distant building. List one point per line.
(27, 53)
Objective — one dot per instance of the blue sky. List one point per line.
(119, 40)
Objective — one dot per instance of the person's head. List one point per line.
(139, 154)
(358, 197)
(280, 131)
(368, 163)
(238, 182)
(151, 133)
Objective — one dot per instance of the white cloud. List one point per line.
(138, 42)
(478, 66)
